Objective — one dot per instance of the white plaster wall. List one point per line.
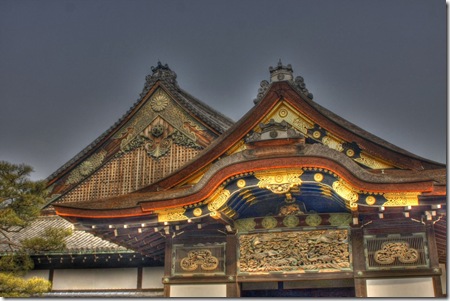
(400, 287)
(85, 279)
(198, 290)
(152, 277)
(37, 273)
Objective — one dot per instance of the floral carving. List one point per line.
(391, 250)
(202, 258)
(279, 182)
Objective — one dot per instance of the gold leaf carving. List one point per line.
(202, 258)
(332, 143)
(172, 214)
(401, 199)
(313, 220)
(344, 190)
(371, 162)
(302, 125)
(218, 200)
(279, 182)
(324, 250)
(391, 250)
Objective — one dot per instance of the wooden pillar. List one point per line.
(139, 278)
(233, 290)
(434, 258)
(167, 265)
(359, 265)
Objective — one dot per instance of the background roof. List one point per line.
(70, 69)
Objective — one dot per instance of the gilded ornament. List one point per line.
(370, 200)
(197, 211)
(86, 167)
(269, 222)
(218, 200)
(241, 183)
(313, 220)
(350, 152)
(159, 101)
(291, 221)
(340, 219)
(318, 177)
(302, 125)
(323, 250)
(279, 182)
(245, 225)
(283, 113)
(172, 214)
(202, 258)
(391, 250)
(332, 143)
(316, 134)
(372, 162)
(344, 190)
(290, 209)
(401, 199)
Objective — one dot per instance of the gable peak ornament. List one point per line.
(282, 73)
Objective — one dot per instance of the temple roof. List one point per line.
(163, 75)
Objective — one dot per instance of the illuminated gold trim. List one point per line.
(401, 199)
(172, 214)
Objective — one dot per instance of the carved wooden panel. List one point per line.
(320, 250)
(199, 259)
(129, 172)
(396, 251)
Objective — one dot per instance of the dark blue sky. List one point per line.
(69, 69)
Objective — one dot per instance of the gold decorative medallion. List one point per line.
(316, 134)
(241, 183)
(313, 220)
(370, 200)
(318, 177)
(197, 211)
(291, 221)
(279, 182)
(269, 222)
(350, 152)
(283, 113)
(202, 258)
(340, 219)
(245, 225)
(159, 101)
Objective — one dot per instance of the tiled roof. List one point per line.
(78, 242)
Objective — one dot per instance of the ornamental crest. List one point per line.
(279, 182)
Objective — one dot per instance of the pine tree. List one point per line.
(21, 200)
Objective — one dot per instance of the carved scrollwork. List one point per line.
(391, 250)
(202, 258)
